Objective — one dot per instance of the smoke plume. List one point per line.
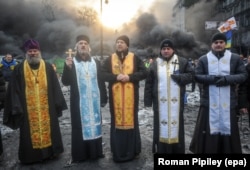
(54, 23)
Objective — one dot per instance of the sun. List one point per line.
(118, 12)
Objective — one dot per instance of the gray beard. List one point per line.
(33, 60)
(83, 54)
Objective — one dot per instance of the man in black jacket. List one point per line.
(219, 71)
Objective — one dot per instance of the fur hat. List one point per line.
(167, 43)
(82, 37)
(31, 44)
(124, 38)
(219, 36)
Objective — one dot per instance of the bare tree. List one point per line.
(86, 16)
(48, 9)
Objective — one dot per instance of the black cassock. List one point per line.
(16, 116)
(151, 98)
(82, 149)
(125, 144)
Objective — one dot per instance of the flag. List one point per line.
(229, 38)
(228, 25)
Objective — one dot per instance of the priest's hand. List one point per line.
(125, 78)
(119, 77)
(176, 78)
(69, 62)
(221, 82)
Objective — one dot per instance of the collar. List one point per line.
(122, 53)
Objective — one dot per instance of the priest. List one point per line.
(87, 95)
(35, 102)
(165, 90)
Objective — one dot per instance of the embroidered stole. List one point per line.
(219, 97)
(89, 95)
(168, 100)
(37, 105)
(123, 93)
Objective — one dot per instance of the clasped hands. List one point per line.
(220, 81)
(122, 77)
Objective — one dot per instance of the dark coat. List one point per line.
(129, 139)
(203, 141)
(244, 93)
(2, 98)
(82, 149)
(2, 90)
(16, 116)
(237, 75)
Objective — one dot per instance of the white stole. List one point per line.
(168, 101)
(219, 97)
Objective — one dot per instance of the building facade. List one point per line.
(217, 11)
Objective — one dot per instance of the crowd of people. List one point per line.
(35, 100)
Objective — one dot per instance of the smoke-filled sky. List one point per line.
(56, 23)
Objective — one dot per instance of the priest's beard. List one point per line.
(83, 54)
(34, 59)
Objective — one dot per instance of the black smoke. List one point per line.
(150, 33)
(56, 28)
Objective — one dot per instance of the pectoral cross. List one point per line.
(119, 66)
(175, 63)
(70, 52)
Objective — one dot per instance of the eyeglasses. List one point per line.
(219, 42)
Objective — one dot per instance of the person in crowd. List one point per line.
(148, 62)
(7, 66)
(165, 90)
(123, 71)
(87, 95)
(35, 102)
(244, 93)
(191, 63)
(2, 101)
(219, 71)
(244, 59)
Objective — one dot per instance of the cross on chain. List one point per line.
(70, 52)
(119, 66)
(175, 63)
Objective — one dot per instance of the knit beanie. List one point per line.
(167, 43)
(219, 36)
(124, 38)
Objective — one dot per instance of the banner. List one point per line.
(228, 25)
(229, 38)
(213, 25)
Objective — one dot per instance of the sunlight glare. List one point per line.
(118, 12)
